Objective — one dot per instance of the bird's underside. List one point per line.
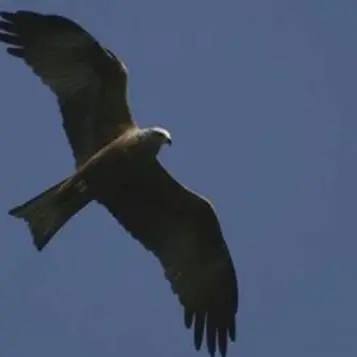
(177, 225)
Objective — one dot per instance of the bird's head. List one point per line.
(155, 138)
(161, 135)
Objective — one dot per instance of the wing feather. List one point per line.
(89, 81)
(182, 230)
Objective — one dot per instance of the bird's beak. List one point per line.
(169, 141)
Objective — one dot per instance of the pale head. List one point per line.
(154, 138)
(161, 135)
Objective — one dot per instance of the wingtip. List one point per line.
(11, 15)
(7, 15)
(188, 318)
(16, 52)
(232, 331)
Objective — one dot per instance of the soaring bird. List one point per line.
(117, 166)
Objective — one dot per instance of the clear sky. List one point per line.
(260, 99)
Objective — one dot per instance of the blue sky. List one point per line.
(260, 99)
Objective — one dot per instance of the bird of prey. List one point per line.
(117, 166)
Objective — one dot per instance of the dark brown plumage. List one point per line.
(89, 81)
(117, 167)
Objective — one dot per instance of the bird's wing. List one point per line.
(89, 81)
(182, 230)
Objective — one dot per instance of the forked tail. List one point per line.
(47, 213)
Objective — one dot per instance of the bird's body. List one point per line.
(117, 166)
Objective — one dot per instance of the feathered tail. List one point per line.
(47, 213)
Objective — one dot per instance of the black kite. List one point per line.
(117, 166)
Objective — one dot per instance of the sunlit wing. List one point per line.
(89, 81)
